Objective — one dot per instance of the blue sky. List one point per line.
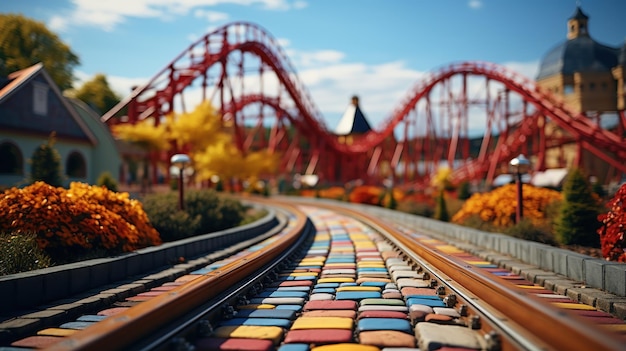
(372, 48)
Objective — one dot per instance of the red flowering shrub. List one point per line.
(613, 230)
(75, 221)
(366, 194)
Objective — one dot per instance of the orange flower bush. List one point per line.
(335, 193)
(77, 220)
(498, 206)
(130, 210)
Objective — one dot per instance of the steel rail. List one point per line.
(121, 331)
(560, 330)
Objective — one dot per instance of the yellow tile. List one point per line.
(449, 249)
(369, 264)
(322, 323)
(338, 264)
(298, 274)
(57, 332)
(250, 332)
(335, 280)
(573, 306)
(478, 262)
(614, 327)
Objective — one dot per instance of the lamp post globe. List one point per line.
(180, 161)
(519, 165)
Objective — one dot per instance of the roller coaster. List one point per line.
(472, 117)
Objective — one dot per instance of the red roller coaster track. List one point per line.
(471, 116)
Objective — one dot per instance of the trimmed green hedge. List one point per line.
(205, 212)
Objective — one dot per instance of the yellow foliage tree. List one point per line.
(212, 148)
(441, 180)
(146, 135)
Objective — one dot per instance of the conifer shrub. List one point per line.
(46, 164)
(612, 231)
(441, 211)
(577, 222)
(106, 179)
(463, 192)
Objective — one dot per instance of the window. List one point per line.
(75, 167)
(40, 98)
(11, 161)
(568, 89)
(592, 86)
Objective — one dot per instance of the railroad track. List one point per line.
(338, 277)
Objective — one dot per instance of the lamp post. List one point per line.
(519, 166)
(179, 161)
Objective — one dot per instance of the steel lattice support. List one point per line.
(472, 117)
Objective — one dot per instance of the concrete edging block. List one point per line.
(615, 279)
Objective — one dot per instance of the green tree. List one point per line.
(106, 179)
(98, 94)
(441, 210)
(46, 164)
(577, 222)
(25, 42)
(464, 191)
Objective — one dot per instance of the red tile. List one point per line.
(387, 338)
(223, 344)
(330, 305)
(37, 342)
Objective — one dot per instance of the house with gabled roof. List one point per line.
(31, 108)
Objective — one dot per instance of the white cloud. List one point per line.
(108, 14)
(475, 4)
(57, 23)
(526, 69)
(316, 58)
(212, 16)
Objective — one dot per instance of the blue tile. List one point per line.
(378, 284)
(357, 295)
(427, 302)
(266, 313)
(294, 347)
(397, 324)
(91, 318)
(282, 294)
(324, 291)
(296, 308)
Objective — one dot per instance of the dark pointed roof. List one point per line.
(579, 14)
(353, 120)
(579, 54)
